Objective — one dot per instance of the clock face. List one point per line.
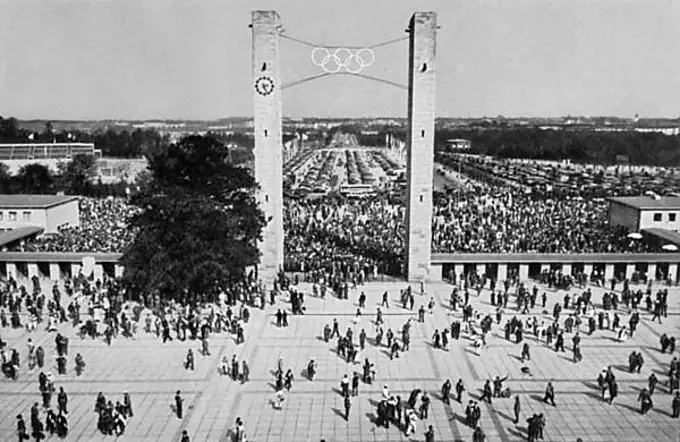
(264, 85)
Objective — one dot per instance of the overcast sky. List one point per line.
(190, 59)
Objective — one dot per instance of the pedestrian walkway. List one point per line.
(151, 372)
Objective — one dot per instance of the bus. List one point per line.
(357, 190)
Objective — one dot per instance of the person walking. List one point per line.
(127, 404)
(517, 409)
(355, 384)
(478, 435)
(189, 361)
(645, 400)
(652, 383)
(460, 388)
(411, 420)
(613, 391)
(429, 434)
(21, 429)
(676, 405)
(62, 401)
(525, 352)
(348, 405)
(487, 392)
(344, 385)
(178, 404)
(549, 394)
(446, 390)
(245, 372)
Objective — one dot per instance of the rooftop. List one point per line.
(33, 201)
(647, 202)
(664, 234)
(17, 234)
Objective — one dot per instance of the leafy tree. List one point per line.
(35, 178)
(78, 173)
(6, 180)
(142, 180)
(125, 144)
(10, 131)
(198, 226)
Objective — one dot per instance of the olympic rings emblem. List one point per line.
(333, 60)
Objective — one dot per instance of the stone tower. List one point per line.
(420, 142)
(266, 26)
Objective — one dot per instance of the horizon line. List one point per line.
(485, 117)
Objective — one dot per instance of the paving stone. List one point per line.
(151, 372)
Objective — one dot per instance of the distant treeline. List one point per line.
(505, 142)
(585, 146)
(117, 143)
(113, 143)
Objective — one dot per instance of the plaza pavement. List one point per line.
(151, 372)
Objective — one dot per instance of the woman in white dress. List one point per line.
(225, 366)
(622, 336)
(279, 397)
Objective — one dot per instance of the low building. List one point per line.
(458, 144)
(652, 215)
(50, 155)
(48, 212)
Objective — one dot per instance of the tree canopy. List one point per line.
(78, 173)
(577, 145)
(35, 179)
(10, 131)
(199, 224)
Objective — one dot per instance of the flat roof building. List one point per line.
(655, 216)
(48, 212)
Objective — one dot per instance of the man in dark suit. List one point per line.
(178, 404)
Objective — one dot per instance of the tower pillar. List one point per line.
(420, 142)
(266, 27)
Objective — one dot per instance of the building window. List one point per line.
(27, 216)
(2, 215)
(12, 216)
(671, 217)
(657, 217)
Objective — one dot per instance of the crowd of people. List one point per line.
(493, 219)
(103, 229)
(104, 310)
(478, 218)
(340, 245)
(322, 231)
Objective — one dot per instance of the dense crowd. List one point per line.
(319, 232)
(491, 219)
(107, 310)
(370, 233)
(479, 219)
(103, 228)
